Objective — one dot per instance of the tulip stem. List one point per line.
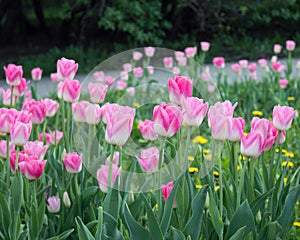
(8, 162)
(112, 151)
(221, 186)
(68, 127)
(161, 152)
(272, 161)
(44, 131)
(11, 96)
(17, 160)
(62, 103)
(56, 125)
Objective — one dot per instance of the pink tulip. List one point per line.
(166, 190)
(7, 118)
(107, 110)
(119, 124)
(13, 74)
(281, 69)
(97, 92)
(22, 156)
(66, 69)
(99, 76)
(36, 74)
(138, 72)
(149, 51)
(224, 109)
(147, 130)
(149, 159)
(6, 96)
(53, 204)
(127, 67)
(271, 137)
(282, 137)
(283, 117)
(137, 56)
(182, 61)
(220, 127)
(252, 144)
(190, 52)
(115, 159)
(28, 94)
(205, 46)
(205, 76)
(167, 119)
(236, 68)
(130, 91)
(237, 129)
(32, 168)
(109, 80)
(93, 114)
(274, 59)
(260, 125)
(178, 88)
(50, 137)
(290, 45)
(54, 77)
(3, 145)
(211, 88)
(168, 62)
(73, 162)
(243, 63)
(60, 87)
(71, 90)
(79, 111)
(252, 67)
(20, 133)
(178, 54)
(263, 62)
(219, 62)
(298, 64)
(36, 148)
(102, 176)
(51, 107)
(283, 83)
(20, 89)
(176, 70)
(276, 65)
(277, 48)
(150, 70)
(124, 75)
(121, 85)
(23, 116)
(194, 111)
(37, 109)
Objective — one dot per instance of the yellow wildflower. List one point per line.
(285, 180)
(238, 167)
(136, 105)
(291, 99)
(290, 154)
(297, 224)
(217, 188)
(199, 139)
(193, 169)
(198, 186)
(290, 164)
(205, 151)
(216, 173)
(155, 207)
(257, 113)
(190, 158)
(241, 157)
(208, 156)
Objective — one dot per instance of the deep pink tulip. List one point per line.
(79, 111)
(28, 94)
(237, 129)
(137, 56)
(36, 108)
(22, 157)
(99, 76)
(109, 80)
(149, 51)
(271, 137)
(20, 89)
(71, 91)
(178, 88)
(290, 45)
(51, 107)
(20, 133)
(66, 69)
(54, 77)
(36, 148)
(236, 68)
(32, 168)
(127, 67)
(53, 204)
(243, 63)
(93, 114)
(168, 62)
(147, 130)
(138, 72)
(115, 159)
(36, 74)
(3, 145)
(149, 159)
(219, 62)
(97, 92)
(260, 125)
(276, 65)
(283, 83)
(205, 46)
(102, 176)
(252, 67)
(73, 162)
(166, 190)
(283, 117)
(252, 144)
(190, 52)
(13, 74)
(167, 119)
(194, 111)
(119, 120)
(121, 85)
(277, 48)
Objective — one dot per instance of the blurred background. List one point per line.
(38, 32)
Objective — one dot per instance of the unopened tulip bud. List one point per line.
(66, 199)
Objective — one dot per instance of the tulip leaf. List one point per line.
(242, 217)
(5, 217)
(23, 235)
(83, 232)
(88, 194)
(110, 230)
(17, 192)
(193, 226)
(176, 234)
(155, 231)
(182, 198)
(238, 234)
(166, 218)
(64, 235)
(260, 201)
(112, 202)
(136, 230)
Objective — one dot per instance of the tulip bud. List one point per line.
(66, 199)
(53, 204)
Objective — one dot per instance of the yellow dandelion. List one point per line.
(193, 170)
(216, 173)
(257, 113)
(136, 105)
(217, 188)
(284, 151)
(190, 158)
(205, 151)
(238, 167)
(208, 156)
(290, 164)
(155, 207)
(198, 186)
(291, 99)
(199, 139)
(297, 224)
(241, 157)
(285, 180)
(290, 154)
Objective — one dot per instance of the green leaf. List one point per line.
(175, 234)
(63, 235)
(110, 230)
(182, 199)
(155, 231)
(193, 226)
(23, 235)
(83, 232)
(238, 234)
(136, 230)
(166, 218)
(5, 216)
(273, 230)
(88, 194)
(112, 203)
(242, 217)
(17, 192)
(260, 201)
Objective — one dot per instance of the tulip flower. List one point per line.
(121, 85)
(168, 62)
(3, 148)
(37, 109)
(66, 199)
(93, 114)
(36, 148)
(176, 70)
(252, 144)
(149, 51)
(179, 54)
(150, 70)
(60, 87)
(260, 125)
(263, 62)
(97, 92)
(124, 75)
(237, 129)
(36, 74)
(13, 74)
(6, 98)
(166, 190)
(138, 72)
(20, 89)
(283, 117)
(102, 176)
(277, 48)
(182, 61)
(71, 90)
(147, 130)
(190, 52)
(167, 119)
(6, 120)
(243, 63)
(109, 80)
(99, 76)
(283, 83)
(149, 159)
(53, 204)
(66, 69)
(137, 56)
(22, 157)
(290, 45)
(73, 162)
(54, 77)
(204, 46)
(115, 159)
(271, 137)
(32, 168)
(79, 111)
(130, 91)
(220, 127)
(194, 111)
(51, 107)
(178, 88)
(219, 62)
(127, 67)
(252, 67)
(236, 68)
(20, 133)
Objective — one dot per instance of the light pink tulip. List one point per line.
(252, 144)
(73, 162)
(22, 156)
(20, 133)
(190, 52)
(36, 74)
(36, 148)
(260, 125)
(102, 176)
(237, 129)
(283, 117)
(277, 48)
(271, 137)
(282, 137)
(138, 72)
(149, 159)
(150, 70)
(13, 74)
(178, 88)
(167, 119)
(66, 69)
(243, 63)
(115, 159)
(3, 145)
(7, 118)
(127, 67)
(124, 75)
(205, 76)
(178, 54)
(119, 124)
(109, 80)
(194, 111)
(168, 62)
(149, 51)
(131, 91)
(224, 109)
(36, 108)
(99, 76)
(121, 85)
(60, 87)
(219, 62)
(54, 77)
(290, 45)
(283, 83)
(32, 168)
(22, 116)
(236, 68)
(205, 46)
(137, 56)
(281, 69)
(182, 61)
(53, 204)
(107, 110)
(51, 107)
(50, 137)
(97, 92)
(263, 62)
(78, 111)
(6, 96)
(71, 90)
(20, 89)
(176, 70)
(93, 114)
(220, 127)
(211, 88)
(252, 67)
(147, 130)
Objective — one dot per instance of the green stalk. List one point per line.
(56, 126)
(271, 176)
(221, 186)
(8, 162)
(159, 179)
(62, 103)
(112, 151)
(11, 96)
(100, 222)
(68, 127)
(44, 131)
